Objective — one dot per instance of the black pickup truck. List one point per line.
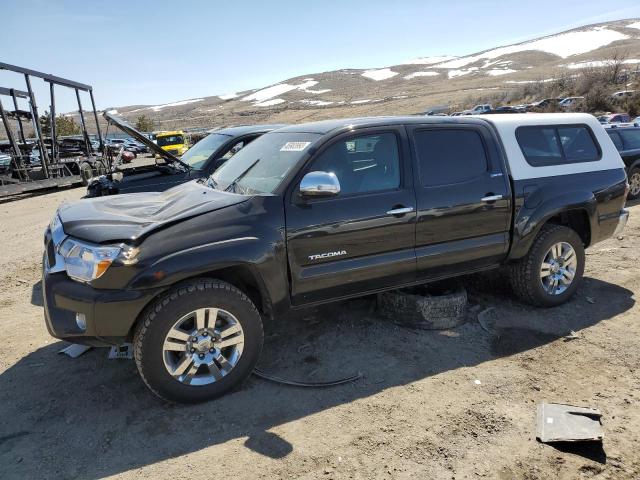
(325, 211)
(626, 138)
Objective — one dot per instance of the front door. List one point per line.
(463, 197)
(362, 239)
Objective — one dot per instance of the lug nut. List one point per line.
(194, 339)
(211, 350)
(201, 355)
(192, 350)
(204, 334)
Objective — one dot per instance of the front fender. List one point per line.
(195, 261)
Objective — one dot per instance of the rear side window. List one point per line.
(448, 156)
(631, 139)
(543, 146)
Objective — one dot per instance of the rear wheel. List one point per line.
(550, 273)
(198, 342)
(634, 183)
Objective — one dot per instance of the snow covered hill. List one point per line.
(409, 87)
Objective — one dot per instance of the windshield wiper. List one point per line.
(233, 184)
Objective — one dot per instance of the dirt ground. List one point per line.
(430, 404)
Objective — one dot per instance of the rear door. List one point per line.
(463, 199)
(363, 238)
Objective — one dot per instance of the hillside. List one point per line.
(411, 87)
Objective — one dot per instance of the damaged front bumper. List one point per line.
(80, 313)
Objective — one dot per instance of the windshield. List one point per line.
(263, 163)
(170, 140)
(197, 155)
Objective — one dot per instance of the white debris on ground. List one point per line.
(315, 103)
(421, 74)
(634, 25)
(531, 81)
(379, 74)
(495, 72)
(598, 63)
(269, 103)
(459, 73)
(367, 100)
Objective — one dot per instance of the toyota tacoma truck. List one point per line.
(326, 211)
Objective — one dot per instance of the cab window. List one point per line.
(364, 163)
(449, 155)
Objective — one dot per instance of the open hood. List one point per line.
(123, 125)
(133, 216)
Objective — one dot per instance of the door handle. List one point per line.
(400, 211)
(492, 198)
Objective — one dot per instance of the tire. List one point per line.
(526, 275)
(634, 183)
(86, 172)
(158, 324)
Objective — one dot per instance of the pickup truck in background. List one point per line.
(479, 110)
(325, 211)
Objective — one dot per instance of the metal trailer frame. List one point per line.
(56, 173)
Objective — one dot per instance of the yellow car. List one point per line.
(173, 142)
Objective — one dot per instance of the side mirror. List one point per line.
(319, 184)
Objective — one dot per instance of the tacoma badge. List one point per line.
(320, 256)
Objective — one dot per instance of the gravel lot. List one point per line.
(431, 404)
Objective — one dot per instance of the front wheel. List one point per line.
(552, 269)
(198, 342)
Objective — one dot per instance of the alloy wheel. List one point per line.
(203, 346)
(558, 268)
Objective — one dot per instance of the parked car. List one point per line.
(627, 141)
(199, 161)
(570, 102)
(614, 118)
(136, 146)
(623, 93)
(116, 143)
(5, 164)
(505, 109)
(543, 104)
(325, 211)
(479, 109)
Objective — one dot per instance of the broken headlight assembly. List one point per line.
(85, 261)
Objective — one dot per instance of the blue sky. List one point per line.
(153, 52)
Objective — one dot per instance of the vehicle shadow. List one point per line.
(92, 417)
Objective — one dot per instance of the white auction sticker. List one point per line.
(294, 146)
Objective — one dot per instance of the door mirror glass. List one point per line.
(319, 184)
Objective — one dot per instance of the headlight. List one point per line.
(85, 261)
